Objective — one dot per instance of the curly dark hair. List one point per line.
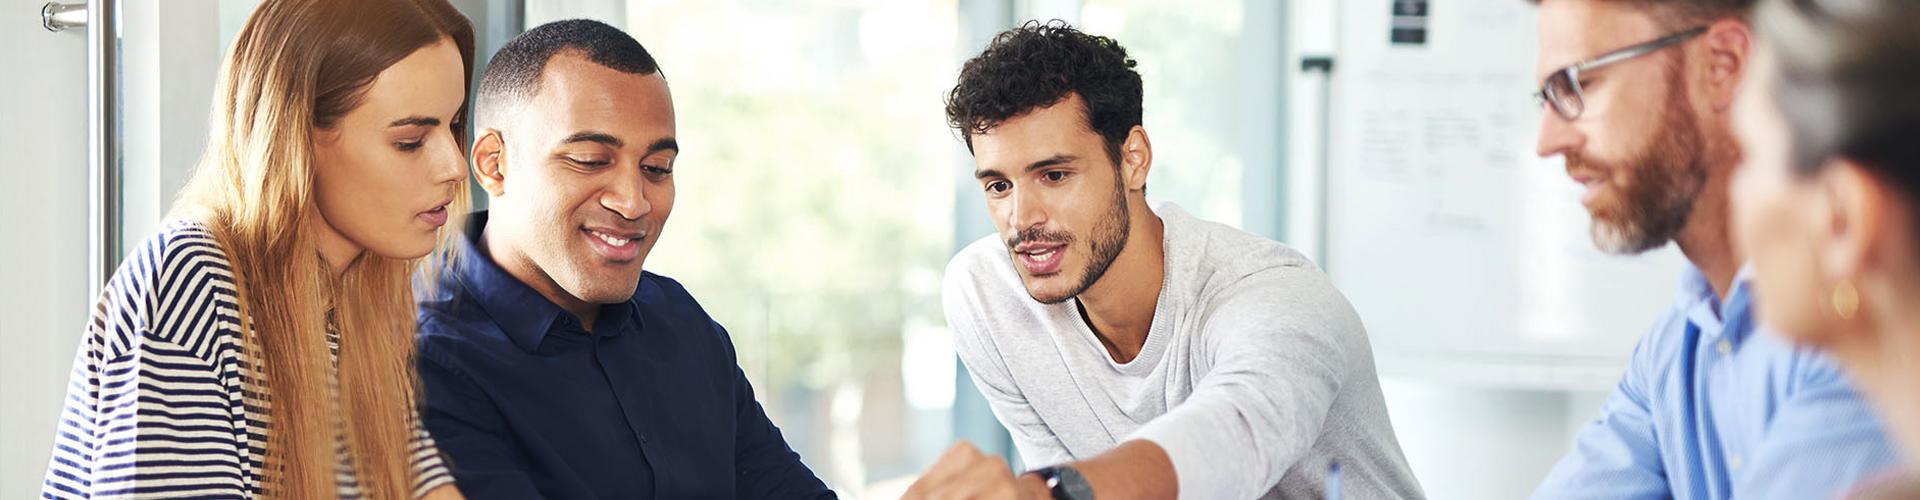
(1039, 64)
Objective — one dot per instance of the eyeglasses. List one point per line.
(1562, 88)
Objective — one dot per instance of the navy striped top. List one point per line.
(158, 404)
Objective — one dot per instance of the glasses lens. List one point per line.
(1563, 95)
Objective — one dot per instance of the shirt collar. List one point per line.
(1740, 322)
(520, 311)
(1715, 317)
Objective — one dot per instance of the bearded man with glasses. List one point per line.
(1635, 96)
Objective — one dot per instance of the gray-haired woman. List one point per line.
(1828, 203)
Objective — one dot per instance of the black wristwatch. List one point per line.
(1065, 483)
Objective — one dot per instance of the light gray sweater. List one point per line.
(1256, 374)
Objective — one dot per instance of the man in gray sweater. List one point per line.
(1136, 351)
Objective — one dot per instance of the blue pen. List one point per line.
(1333, 481)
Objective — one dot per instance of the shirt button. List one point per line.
(1733, 463)
(1724, 347)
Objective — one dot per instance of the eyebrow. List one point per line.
(663, 144)
(596, 137)
(416, 121)
(1058, 159)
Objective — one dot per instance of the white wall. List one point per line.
(1310, 32)
(1463, 440)
(1484, 442)
(43, 236)
(612, 12)
(171, 60)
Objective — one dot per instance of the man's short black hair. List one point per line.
(514, 73)
(1036, 65)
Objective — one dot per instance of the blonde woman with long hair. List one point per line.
(261, 344)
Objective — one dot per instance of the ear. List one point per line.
(322, 136)
(1856, 205)
(1136, 159)
(324, 141)
(489, 162)
(1728, 51)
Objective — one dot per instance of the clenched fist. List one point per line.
(963, 472)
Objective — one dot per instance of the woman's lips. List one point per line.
(436, 217)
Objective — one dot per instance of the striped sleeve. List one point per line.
(151, 408)
(429, 469)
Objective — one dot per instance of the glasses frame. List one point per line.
(1546, 96)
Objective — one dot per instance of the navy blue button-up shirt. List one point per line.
(650, 404)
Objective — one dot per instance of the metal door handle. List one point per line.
(57, 17)
(101, 18)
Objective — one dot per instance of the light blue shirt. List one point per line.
(1711, 409)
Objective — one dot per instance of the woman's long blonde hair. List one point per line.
(297, 66)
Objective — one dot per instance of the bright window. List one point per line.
(814, 214)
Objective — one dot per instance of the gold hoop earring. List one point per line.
(1846, 300)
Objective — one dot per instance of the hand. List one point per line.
(963, 472)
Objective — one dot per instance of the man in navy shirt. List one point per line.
(553, 365)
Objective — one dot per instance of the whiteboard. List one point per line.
(1467, 256)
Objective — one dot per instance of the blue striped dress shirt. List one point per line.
(1710, 408)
